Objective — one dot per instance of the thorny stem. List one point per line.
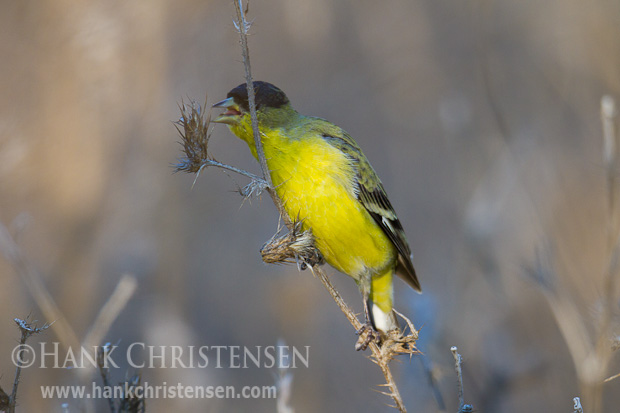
(213, 162)
(381, 359)
(458, 361)
(459, 375)
(242, 27)
(27, 329)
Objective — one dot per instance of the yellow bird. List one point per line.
(323, 178)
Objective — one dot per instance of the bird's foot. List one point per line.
(367, 334)
(310, 259)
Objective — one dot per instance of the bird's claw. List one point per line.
(309, 260)
(365, 339)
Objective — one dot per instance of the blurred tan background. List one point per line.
(481, 117)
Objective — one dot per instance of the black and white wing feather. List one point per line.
(372, 196)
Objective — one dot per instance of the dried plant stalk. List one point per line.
(297, 245)
(382, 355)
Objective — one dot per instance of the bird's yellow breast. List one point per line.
(316, 183)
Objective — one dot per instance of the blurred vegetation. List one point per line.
(482, 119)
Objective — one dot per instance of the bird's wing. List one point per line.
(371, 194)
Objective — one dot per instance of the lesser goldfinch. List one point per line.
(323, 179)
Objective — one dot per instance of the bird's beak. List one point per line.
(231, 116)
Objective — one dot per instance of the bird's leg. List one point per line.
(368, 327)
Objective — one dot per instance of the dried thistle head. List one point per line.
(253, 189)
(193, 126)
(397, 342)
(296, 246)
(29, 328)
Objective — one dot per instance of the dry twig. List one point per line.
(458, 361)
(392, 345)
(27, 329)
(459, 375)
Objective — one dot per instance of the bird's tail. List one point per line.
(380, 302)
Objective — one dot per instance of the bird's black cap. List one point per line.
(267, 95)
